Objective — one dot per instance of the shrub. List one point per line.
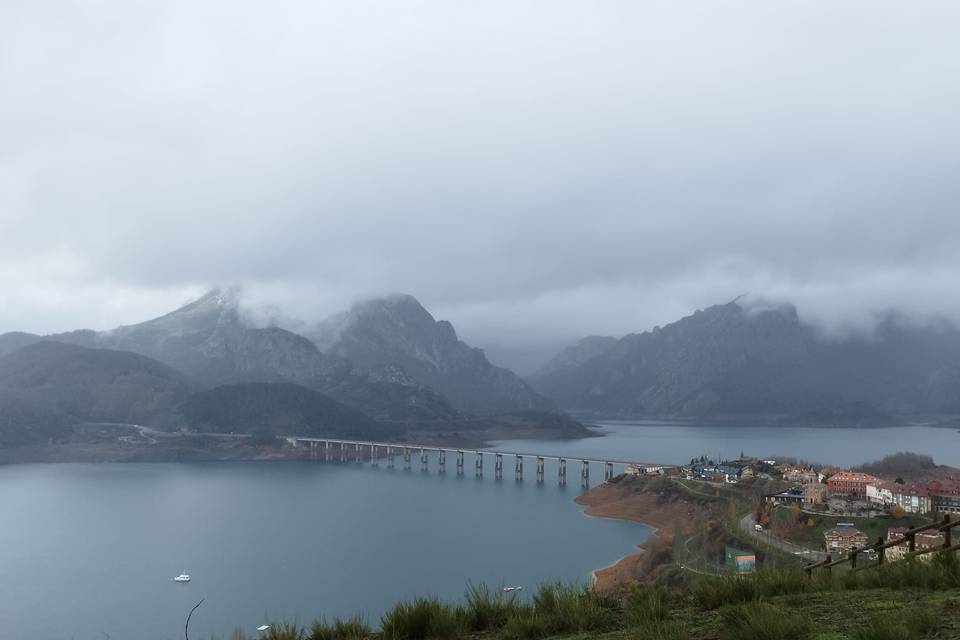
(645, 605)
(570, 608)
(761, 621)
(284, 631)
(353, 628)
(714, 592)
(662, 631)
(525, 626)
(485, 609)
(424, 618)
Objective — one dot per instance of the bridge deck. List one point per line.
(503, 452)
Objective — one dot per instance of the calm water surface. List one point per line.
(676, 443)
(89, 550)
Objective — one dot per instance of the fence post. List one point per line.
(882, 555)
(828, 567)
(947, 532)
(912, 542)
(853, 559)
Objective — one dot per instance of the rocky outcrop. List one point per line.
(737, 360)
(394, 339)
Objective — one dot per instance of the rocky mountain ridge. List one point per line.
(394, 339)
(730, 360)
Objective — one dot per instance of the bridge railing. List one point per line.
(909, 538)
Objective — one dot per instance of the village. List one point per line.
(824, 510)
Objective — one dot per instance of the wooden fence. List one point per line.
(909, 538)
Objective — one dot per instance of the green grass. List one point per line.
(485, 609)
(354, 628)
(900, 601)
(421, 619)
(761, 621)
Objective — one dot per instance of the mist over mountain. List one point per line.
(210, 341)
(206, 366)
(734, 359)
(394, 339)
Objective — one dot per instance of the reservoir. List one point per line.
(677, 442)
(88, 551)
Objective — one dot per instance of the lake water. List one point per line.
(678, 442)
(88, 550)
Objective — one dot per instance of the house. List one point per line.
(851, 482)
(912, 498)
(799, 475)
(923, 540)
(814, 492)
(944, 495)
(794, 495)
(730, 472)
(842, 539)
(880, 493)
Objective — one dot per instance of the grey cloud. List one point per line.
(533, 172)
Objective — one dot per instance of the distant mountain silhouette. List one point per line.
(732, 360)
(209, 341)
(395, 340)
(276, 409)
(52, 385)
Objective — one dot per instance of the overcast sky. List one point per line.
(532, 171)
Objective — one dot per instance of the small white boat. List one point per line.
(183, 577)
(512, 589)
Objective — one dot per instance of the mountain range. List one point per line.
(386, 368)
(741, 360)
(386, 361)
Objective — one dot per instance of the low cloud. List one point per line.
(532, 173)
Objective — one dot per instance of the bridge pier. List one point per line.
(498, 467)
(390, 464)
(343, 452)
(584, 472)
(539, 470)
(357, 453)
(406, 457)
(518, 467)
(423, 459)
(374, 456)
(478, 462)
(607, 471)
(562, 471)
(459, 462)
(326, 450)
(441, 461)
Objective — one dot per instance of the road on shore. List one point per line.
(747, 525)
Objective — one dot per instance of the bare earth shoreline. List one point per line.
(623, 503)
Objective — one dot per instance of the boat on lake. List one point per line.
(183, 577)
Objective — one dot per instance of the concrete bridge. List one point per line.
(356, 450)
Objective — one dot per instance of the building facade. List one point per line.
(851, 483)
(844, 539)
(880, 493)
(814, 492)
(912, 498)
(944, 495)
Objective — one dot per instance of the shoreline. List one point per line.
(615, 502)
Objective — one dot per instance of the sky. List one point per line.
(532, 171)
